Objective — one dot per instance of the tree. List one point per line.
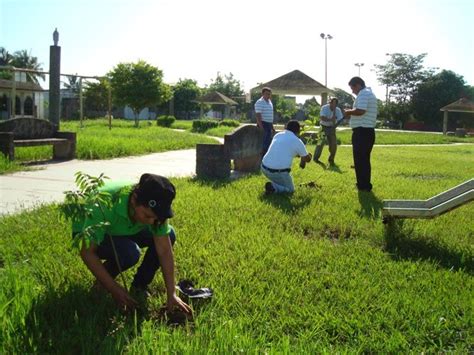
(312, 109)
(435, 92)
(6, 59)
(72, 83)
(286, 107)
(96, 96)
(402, 74)
(23, 59)
(184, 92)
(138, 85)
(230, 87)
(346, 100)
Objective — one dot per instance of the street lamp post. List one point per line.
(359, 65)
(325, 37)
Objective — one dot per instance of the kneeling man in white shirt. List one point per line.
(276, 164)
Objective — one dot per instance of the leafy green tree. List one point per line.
(230, 87)
(227, 85)
(138, 85)
(346, 100)
(72, 83)
(469, 92)
(96, 96)
(6, 59)
(435, 92)
(286, 108)
(23, 59)
(312, 108)
(184, 92)
(401, 74)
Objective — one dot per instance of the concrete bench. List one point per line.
(29, 132)
(243, 146)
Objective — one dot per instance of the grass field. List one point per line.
(312, 272)
(96, 141)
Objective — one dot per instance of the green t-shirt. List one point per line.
(117, 215)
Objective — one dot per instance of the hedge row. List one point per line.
(203, 125)
(165, 121)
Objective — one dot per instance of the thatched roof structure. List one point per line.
(462, 105)
(295, 83)
(215, 98)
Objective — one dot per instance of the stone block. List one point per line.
(212, 161)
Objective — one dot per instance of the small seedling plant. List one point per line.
(80, 205)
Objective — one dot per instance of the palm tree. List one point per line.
(5, 57)
(5, 60)
(23, 59)
(72, 84)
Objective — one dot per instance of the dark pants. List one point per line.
(267, 136)
(128, 251)
(332, 143)
(363, 140)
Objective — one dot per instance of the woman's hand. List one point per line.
(176, 302)
(123, 298)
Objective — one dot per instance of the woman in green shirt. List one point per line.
(136, 218)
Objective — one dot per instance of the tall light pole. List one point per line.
(359, 65)
(325, 37)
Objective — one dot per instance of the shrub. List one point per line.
(165, 121)
(203, 125)
(229, 123)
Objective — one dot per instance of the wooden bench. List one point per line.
(29, 132)
(243, 146)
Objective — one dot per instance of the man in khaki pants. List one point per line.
(329, 116)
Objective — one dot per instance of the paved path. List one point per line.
(28, 189)
(46, 184)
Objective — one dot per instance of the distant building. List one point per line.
(28, 100)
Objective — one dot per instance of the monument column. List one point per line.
(324, 98)
(54, 77)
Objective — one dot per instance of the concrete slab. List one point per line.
(46, 184)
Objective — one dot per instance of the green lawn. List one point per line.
(406, 137)
(96, 141)
(312, 272)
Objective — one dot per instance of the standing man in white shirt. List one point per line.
(276, 164)
(264, 114)
(362, 121)
(330, 114)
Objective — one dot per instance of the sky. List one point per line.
(256, 41)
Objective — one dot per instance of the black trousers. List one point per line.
(363, 140)
(128, 253)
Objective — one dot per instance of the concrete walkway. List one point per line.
(46, 184)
